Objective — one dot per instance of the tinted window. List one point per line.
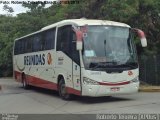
(64, 39)
(75, 52)
(41, 41)
(16, 48)
(66, 42)
(25, 44)
(29, 44)
(48, 39)
(20, 47)
(36, 42)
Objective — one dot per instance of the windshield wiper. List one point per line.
(131, 65)
(113, 66)
(102, 64)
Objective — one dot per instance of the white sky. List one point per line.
(17, 7)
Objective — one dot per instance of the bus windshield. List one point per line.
(108, 47)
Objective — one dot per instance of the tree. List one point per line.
(8, 9)
(34, 7)
(143, 14)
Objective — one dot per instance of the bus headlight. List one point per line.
(135, 80)
(89, 81)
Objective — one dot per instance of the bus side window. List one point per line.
(37, 43)
(21, 46)
(63, 39)
(29, 44)
(66, 42)
(43, 41)
(75, 52)
(16, 48)
(49, 39)
(25, 45)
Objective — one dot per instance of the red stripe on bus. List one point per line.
(44, 83)
(115, 84)
(38, 82)
(73, 91)
(17, 76)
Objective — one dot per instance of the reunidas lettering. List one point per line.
(34, 59)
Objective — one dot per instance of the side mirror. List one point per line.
(79, 38)
(142, 37)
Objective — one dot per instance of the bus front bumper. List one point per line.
(103, 90)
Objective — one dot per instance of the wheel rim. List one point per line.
(24, 82)
(63, 90)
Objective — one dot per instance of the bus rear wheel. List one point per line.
(63, 90)
(24, 82)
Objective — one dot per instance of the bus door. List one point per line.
(75, 64)
(66, 44)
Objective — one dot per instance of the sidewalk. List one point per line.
(149, 88)
(5, 81)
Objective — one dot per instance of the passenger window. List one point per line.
(66, 42)
(64, 39)
(29, 44)
(16, 48)
(75, 52)
(37, 42)
(48, 39)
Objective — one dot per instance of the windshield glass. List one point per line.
(109, 47)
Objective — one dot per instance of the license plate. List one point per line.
(115, 89)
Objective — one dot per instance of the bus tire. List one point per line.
(63, 91)
(24, 82)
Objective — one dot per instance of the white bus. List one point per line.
(81, 57)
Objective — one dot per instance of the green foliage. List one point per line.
(120, 10)
(143, 14)
(8, 9)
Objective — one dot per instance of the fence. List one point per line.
(150, 69)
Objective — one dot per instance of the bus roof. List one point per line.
(79, 22)
(82, 22)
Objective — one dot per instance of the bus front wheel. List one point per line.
(63, 90)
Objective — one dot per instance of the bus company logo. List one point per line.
(38, 59)
(49, 59)
(130, 73)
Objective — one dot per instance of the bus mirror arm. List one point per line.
(142, 36)
(79, 38)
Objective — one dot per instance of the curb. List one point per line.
(149, 89)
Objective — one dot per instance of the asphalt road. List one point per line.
(14, 99)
